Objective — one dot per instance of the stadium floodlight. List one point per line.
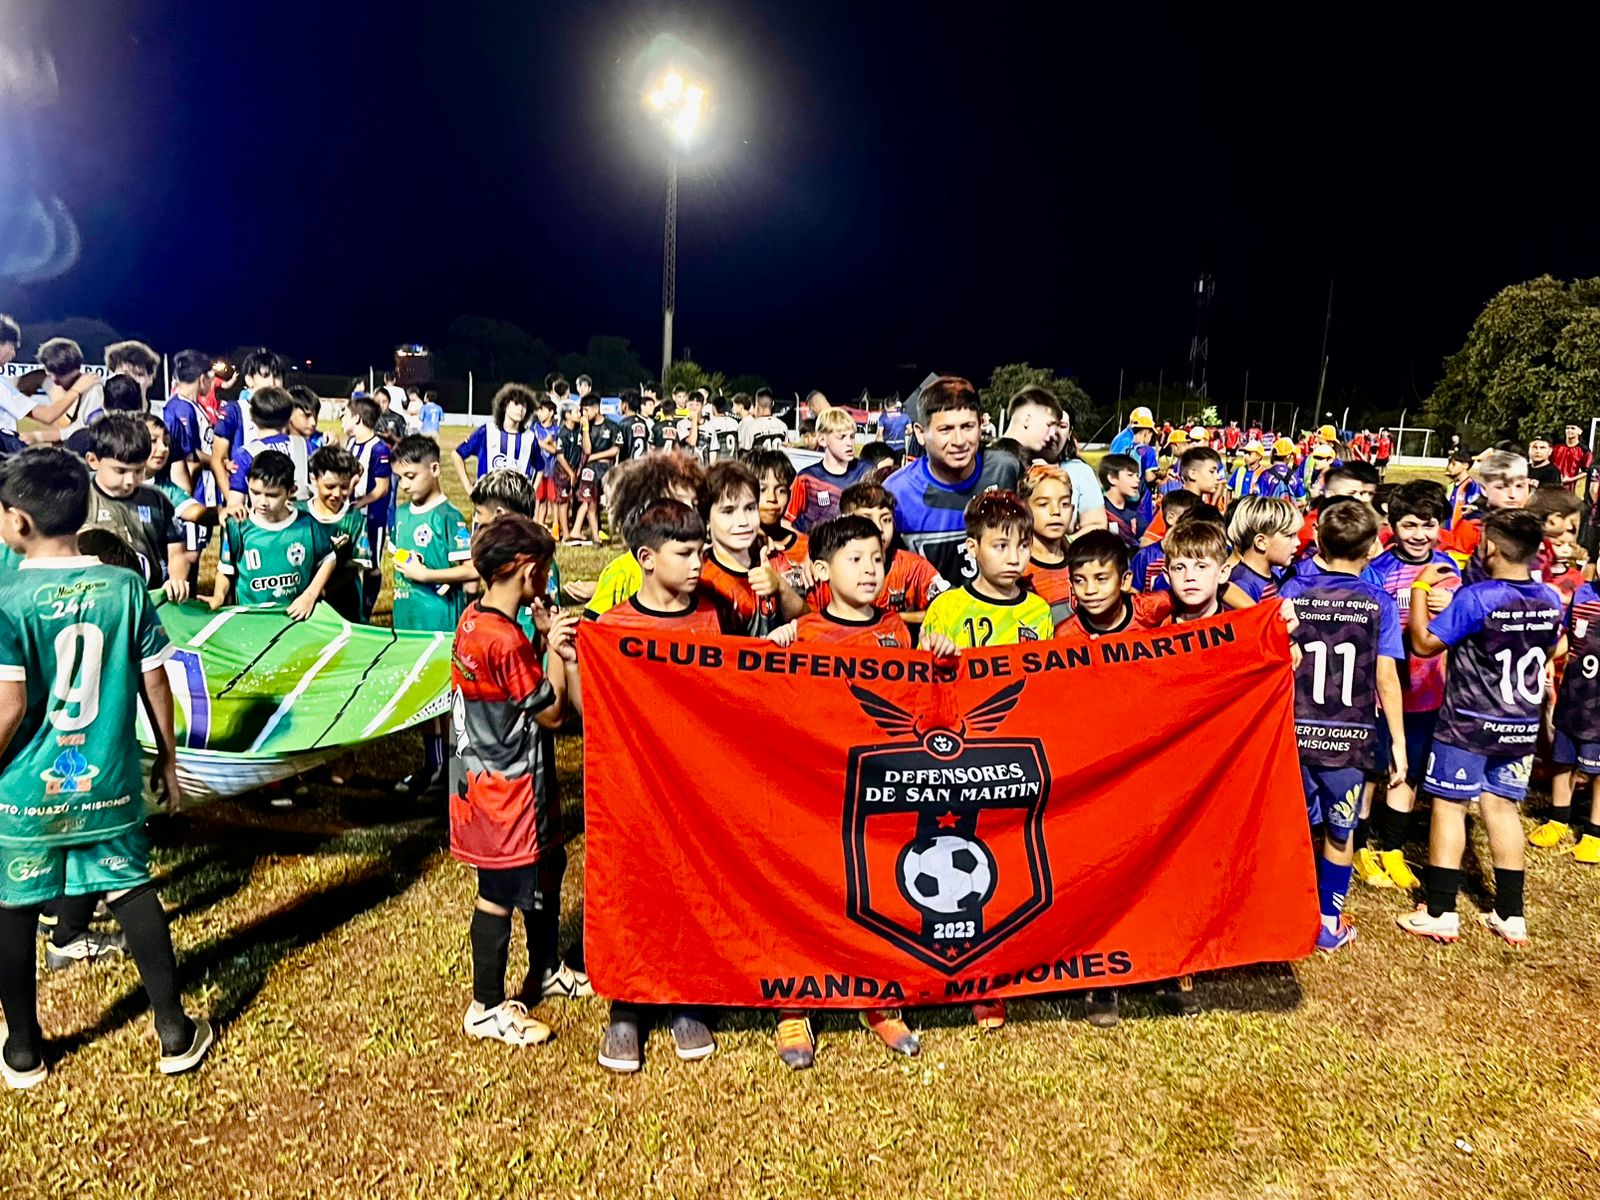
(679, 105)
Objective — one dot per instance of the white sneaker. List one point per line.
(507, 1022)
(566, 983)
(1444, 928)
(20, 1079)
(1513, 929)
(188, 1059)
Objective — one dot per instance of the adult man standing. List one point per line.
(931, 493)
(1571, 458)
(1541, 470)
(1038, 429)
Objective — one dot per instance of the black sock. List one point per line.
(19, 993)
(144, 924)
(73, 914)
(1395, 829)
(1363, 830)
(1508, 892)
(1443, 884)
(1561, 815)
(544, 925)
(1592, 829)
(491, 946)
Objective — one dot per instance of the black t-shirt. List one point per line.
(603, 435)
(1546, 475)
(636, 436)
(569, 444)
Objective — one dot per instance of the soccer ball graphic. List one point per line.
(947, 874)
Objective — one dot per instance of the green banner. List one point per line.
(258, 697)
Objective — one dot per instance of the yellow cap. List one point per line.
(1328, 433)
(1283, 448)
(1178, 435)
(1140, 418)
(1322, 450)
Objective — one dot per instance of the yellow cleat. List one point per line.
(1587, 851)
(1549, 835)
(1398, 870)
(1370, 870)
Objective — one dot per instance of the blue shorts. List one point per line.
(1459, 775)
(1333, 797)
(1419, 736)
(1564, 752)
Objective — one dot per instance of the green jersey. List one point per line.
(272, 563)
(10, 560)
(352, 550)
(79, 635)
(438, 535)
(145, 520)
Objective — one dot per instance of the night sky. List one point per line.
(890, 184)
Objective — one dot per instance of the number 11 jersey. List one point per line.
(78, 635)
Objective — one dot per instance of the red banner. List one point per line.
(819, 828)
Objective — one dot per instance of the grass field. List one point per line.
(330, 944)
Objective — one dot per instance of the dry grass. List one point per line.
(331, 946)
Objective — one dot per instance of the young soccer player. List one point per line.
(1197, 567)
(848, 557)
(1415, 515)
(333, 471)
(235, 421)
(910, 582)
(1348, 631)
(1242, 482)
(1356, 479)
(372, 491)
(1262, 531)
(1561, 559)
(504, 492)
(1575, 750)
(271, 410)
(1120, 479)
(1503, 477)
(1149, 563)
(304, 415)
(816, 491)
(666, 539)
(79, 645)
(278, 556)
(602, 447)
(194, 519)
(504, 440)
(1102, 588)
(432, 565)
(569, 461)
(736, 573)
(121, 501)
(1199, 471)
(1281, 478)
(545, 429)
(786, 546)
(660, 475)
(992, 610)
(503, 820)
(1464, 492)
(1501, 634)
(1047, 491)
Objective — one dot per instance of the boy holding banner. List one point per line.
(666, 539)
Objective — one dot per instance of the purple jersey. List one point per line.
(1578, 705)
(1500, 633)
(1345, 625)
(1149, 569)
(1424, 682)
(1257, 587)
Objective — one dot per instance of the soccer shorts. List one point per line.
(196, 537)
(1564, 752)
(30, 877)
(1419, 736)
(1333, 797)
(378, 540)
(546, 492)
(1459, 775)
(564, 489)
(588, 486)
(532, 887)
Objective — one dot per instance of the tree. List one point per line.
(609, 360)
(496, 351)
(1530, 364)
(1005, 382)
(749, 384)
(692, 375)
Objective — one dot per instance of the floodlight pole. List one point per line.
(669, 268)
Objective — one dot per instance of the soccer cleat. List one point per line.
(892, 1030)
(422, 783)
(1185, 1000)
(86, 947)
(567, 984)
(1398, 870)
(619, 1047)
(1513, 929)
(989, 1014)
(19, 1080)
(1369, 869)
(1444, 928)
(189, 1057)
(797, 1047)
(1341, 935)
(690, 1037)
(1104, 1008)
(47, 924)
(1550, 835)
(1587, 851)
(506, 1022)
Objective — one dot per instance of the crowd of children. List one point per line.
(1442, 641)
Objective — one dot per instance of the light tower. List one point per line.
(680, 106)
(1200, 344)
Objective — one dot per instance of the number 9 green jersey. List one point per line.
(78, 635)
